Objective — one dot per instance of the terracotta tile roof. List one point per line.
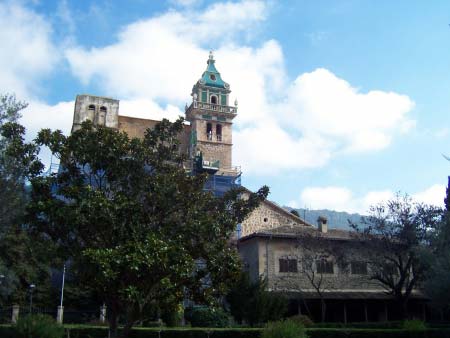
(296, 231)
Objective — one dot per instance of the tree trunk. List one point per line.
(112, 325)
(112, 320)
(126, 330)
(323, 308)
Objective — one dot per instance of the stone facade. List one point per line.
(263, 254)
(216, 152)
(269, 216)
(350, 292)
(100, 110)
(136, 127)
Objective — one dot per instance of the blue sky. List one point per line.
(341, 103)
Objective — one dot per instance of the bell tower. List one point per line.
(211, 118)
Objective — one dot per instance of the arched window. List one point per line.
(219, 132)
(91, 113)
(213, 99)
(209, 131)
(102, 116)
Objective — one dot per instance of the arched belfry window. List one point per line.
(219, 132)
(213, 99)
(209, 131)
(102, 116)
(91, 113)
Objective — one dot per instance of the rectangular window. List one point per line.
(204, 97)
(288, 265)
(358, 268)
(324, 267)
(223, 100)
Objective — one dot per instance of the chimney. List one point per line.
(322, 224)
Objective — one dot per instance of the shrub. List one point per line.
(171, 319)
(284, 329)
(208, 317)
(302, 319)
(251, 302)
(414, 325)
(39, 325)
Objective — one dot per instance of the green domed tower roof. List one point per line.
(211, 77)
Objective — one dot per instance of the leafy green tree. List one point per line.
(12, 183)
(250, 302)
(22, 260)
(396, 238)
(141, 231)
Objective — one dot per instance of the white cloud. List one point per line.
(161, 57)
(281, 125)
(343, 199)
(147, 109)
(27, 52)
(434, 195)
(151, 67)
(330, 106)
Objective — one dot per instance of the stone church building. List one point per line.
(269, 239)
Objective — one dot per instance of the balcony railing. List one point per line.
(213, 107)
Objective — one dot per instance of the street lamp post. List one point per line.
(60, 312)
(32, 286)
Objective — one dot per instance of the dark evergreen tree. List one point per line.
(250, 302)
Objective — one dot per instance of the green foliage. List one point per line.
(284, 329)
(250, 302)
(361, 325)
(23, 260)
(413, 325)
(172, 317)
(91, 332)
(42, 326)
(396, 237)
(135, 225)
(303, 320)
(207, 317)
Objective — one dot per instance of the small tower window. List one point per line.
(219, 132)
(91, 113)
(102, 116)
(212, 77)
(213, 99)
(209, 131)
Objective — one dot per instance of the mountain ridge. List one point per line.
(336, 219)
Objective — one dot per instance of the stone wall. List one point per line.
(200, 126)
(268, 216)
(213, 151)
(270, 250)
(136, 127)
(105, 112)
(250, 255)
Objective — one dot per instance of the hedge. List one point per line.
(101, 332)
